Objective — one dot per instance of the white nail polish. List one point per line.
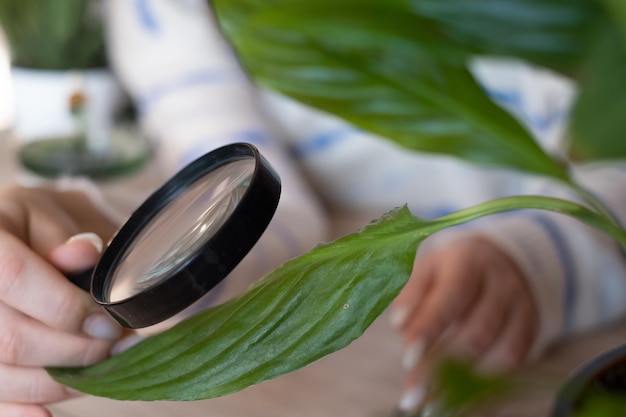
(101, 326)
(125, 344)
(92, 238)
(74, 393)
(398, 317)
(412, 399)
(412, 355)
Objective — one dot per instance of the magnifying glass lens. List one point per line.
(180, 229)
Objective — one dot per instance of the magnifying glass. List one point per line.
(186, 237)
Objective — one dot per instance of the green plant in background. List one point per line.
(61, 44)
(54, 35)
(397, 68)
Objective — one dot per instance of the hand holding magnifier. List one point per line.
(186, 237)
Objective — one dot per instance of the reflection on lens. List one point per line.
(169, 240)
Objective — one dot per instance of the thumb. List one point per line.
(78, 253)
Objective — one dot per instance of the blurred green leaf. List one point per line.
(60, 34)
(384, 69)
(600, 405)
(549, 33)
(462, 387)
(598, 118)
(617, 11)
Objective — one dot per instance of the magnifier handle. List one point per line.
(81, 279)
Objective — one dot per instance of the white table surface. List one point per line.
(363, 380)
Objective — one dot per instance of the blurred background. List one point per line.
(62, 106)
(6, 95)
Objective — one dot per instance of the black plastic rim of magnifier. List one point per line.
(212, 262)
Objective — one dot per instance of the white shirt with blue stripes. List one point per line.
(193, 97)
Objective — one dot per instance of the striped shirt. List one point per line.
(193, 97)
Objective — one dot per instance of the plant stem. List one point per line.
(592, 200)
(595, 219)
(595, 203)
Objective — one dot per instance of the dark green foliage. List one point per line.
(58, 34)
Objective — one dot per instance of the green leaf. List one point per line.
(385, 70)
(308, 308)
(550, 33)
(602, 405)
(462, 388)
(311, 306)
(617, 10)
(64, 34)
(598, 118)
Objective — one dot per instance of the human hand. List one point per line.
(45, 320)
(470, 301)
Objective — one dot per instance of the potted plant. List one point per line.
(65, 96)
(378, 44)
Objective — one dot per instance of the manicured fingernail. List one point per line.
(398, 317)
(92, 238)
(413, 354)
(497, 362)
(412, 399)
(429, 411)
(125, 344)
(73, 393)
(101, 326)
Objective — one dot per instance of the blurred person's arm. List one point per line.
(503, 290)
(192, 97)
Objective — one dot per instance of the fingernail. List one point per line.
(74, 393)
(429, 411)
(496, 362)
(412, 399)
(101, 326)
(412, 355)
(92, 238)
(125, 344)
(398, 317)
